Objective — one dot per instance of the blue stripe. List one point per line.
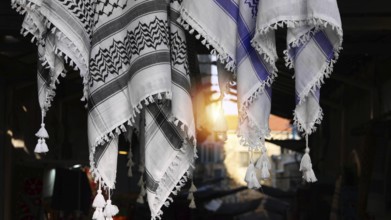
(244, 49)
(229, 7)
(324, 44)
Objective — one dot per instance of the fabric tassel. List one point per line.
(306, 165)
(251, 177)
(98, 214)
(263, 163)
(130, 163)
(190, 196)
(110, 210)
(141, 181)
(42, 133)
(142, 191)
(140, 199)
(41, 146)
(193, 188)
(192, 204)
(130, 172)
(99, 201)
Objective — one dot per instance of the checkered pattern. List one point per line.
(132, 56)
(231, 42)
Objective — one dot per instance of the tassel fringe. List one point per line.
(251, 177)
(306, 165)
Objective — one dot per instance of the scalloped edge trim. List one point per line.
(316, 121)
(191, 25)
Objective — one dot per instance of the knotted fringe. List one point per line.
(110, 209)
(41, 146)
(306, 165)
(268, 48)
(190, 197)
(99, 203)
(121, 128)
(36, 20)
(141, 183)
(130, 163)
(316, 121)
(263, 163)
(191, 25)
(181, 182)
(251, 177)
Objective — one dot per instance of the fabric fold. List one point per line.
(230, 41)
(132, 57)
(314, 39)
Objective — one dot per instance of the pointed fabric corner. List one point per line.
(314, 40)
(132, 57)
(230, 42)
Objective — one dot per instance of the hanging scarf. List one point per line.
(314, 40)
(132, 57)
(231, 43)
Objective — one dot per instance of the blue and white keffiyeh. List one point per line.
(314, 40)
(228, 27)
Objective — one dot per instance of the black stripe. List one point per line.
(180, 80)
(119, 83)
(151, 183)
(120, 23)
(100, 150)
(168, 129)
(174, 15)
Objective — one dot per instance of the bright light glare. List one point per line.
(230, 108)
(76, 166)
(10, 133)
(122, 152)
(18, 143)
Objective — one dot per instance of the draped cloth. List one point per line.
(228, 27)
(314, 39)
(132, 57)
(242, 35)
(230, 41)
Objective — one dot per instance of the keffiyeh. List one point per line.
(314, 40)
(132, 57)
(231, 43)
(241, 34)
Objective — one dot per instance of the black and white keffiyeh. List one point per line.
(132, 57)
